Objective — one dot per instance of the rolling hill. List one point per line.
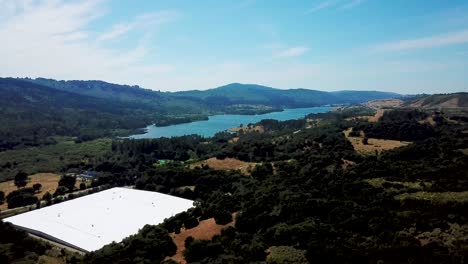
(32, 114)
(35, 111)
(237, 93)
(439, 101)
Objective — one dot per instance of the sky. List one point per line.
(405, 46)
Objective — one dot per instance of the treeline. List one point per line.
(18, 247)
(406, 125)
(32, 115)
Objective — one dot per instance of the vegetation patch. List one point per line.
(385, 103)
(286, 255)
(373, 146)
(247, 129)
(206, 230)
(48, 181)
(227, 164)
(382, 183)
(436, 197)
(52, 158)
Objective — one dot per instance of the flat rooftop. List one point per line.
(90, 222)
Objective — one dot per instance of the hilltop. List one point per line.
(36, 111)
(439, 101)
(237, 93)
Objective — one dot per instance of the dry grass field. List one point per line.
(246, 129)
(207, 229)
(377, 116)
(385, 103)
(227, 164)
(374, 119)
(49, 183)
(374, 145)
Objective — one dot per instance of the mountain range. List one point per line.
(35, 111)
(216, 99)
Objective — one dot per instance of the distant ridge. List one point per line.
(236, 93)
(454, 100)
(225, 98)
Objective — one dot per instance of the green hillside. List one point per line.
(34, 114)
(34, 111)
(237, 93)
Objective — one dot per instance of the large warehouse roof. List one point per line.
(90, 222)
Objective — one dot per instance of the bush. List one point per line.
(37, 187)
(223, 217)
(2, 197)
(191, 222)
(188, 241)
(21, 197)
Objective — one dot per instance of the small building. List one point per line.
(87, 175)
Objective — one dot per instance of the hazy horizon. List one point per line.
(328, 45)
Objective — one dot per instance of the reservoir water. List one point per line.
(217, 123)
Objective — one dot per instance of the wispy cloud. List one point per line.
(351, 4)
(292, 52)
(321, 5)
(340, 5)
(453, 38)
(54, 39)
(142, 21)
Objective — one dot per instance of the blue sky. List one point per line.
(410, 46)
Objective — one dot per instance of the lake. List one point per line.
(217, 123)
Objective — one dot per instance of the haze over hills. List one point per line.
(33, 111)
(454, 100)
(216, 98)
(236, 93)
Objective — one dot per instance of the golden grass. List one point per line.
(377, 116)
(385, 103)
(49, 183)
(374, 119)
(227, 164)
(246, 129)
(206, 230)
(374, 145)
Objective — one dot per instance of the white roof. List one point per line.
(95, 220)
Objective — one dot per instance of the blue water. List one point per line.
(217, 123)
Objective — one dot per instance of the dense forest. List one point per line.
(33, 115)
(406, 205)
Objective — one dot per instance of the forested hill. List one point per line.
(163, 103)
(32, 114)
(237, 93)
(34, 111)
(454, 100)
(217, 99)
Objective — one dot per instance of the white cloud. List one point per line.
(453, 38)
(321, 5)
(143, 21)
(51, 38)
(351, 4)
(292, 52)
